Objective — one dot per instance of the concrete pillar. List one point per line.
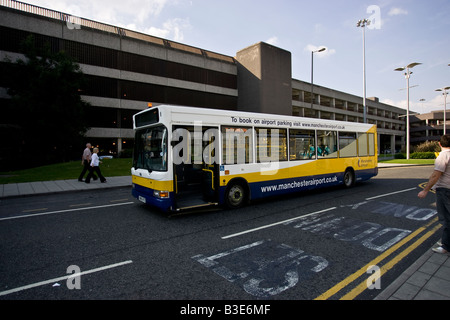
(119, 146)
(378, 143)
(393, 144)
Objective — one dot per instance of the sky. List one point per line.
(401, 32)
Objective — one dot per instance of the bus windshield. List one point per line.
(150, 151)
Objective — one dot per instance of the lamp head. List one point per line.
(412, 65)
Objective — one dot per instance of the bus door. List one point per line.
(196, 173)
(211, 175)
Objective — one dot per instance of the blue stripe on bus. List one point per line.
(284, 186)
(263, 189)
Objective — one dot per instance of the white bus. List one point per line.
(186, 158)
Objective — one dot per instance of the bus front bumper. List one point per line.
(153, 198)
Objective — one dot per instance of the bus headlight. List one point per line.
(161, 194)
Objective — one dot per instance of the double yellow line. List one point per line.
(385, 268)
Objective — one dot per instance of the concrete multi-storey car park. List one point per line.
(429, 126)
(128, 70)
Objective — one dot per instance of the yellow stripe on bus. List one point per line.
(153, 184)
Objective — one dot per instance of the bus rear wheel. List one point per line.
(235, 196)
(349, 178)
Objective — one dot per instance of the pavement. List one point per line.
(48, 187)
(428, 278)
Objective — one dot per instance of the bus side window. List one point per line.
(301, 144)
(371, 144)
(363, 146)
(327, 144)
(347, 144)
(271, 145)
(237, 145)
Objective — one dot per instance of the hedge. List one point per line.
(416, 155)
(423, 155)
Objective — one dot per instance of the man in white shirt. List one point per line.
(95, 168)
(440, 181)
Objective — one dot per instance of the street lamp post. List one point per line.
(407, 75)
(312, 72)
(445, 106)
(362, 24)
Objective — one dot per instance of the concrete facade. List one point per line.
(336, 105)
(265, 79)
(429, 126)
(117, 61)
(128, 70)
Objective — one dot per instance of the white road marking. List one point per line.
(275, 224)
(264, 268)
(288, 220)
(67, 210)
(388, 194)
(42, 283)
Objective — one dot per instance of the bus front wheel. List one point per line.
(235, 196)
(349, 178)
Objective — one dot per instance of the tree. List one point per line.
(46, 104)
(428, 146)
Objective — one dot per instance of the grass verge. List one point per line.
(64, 171)
(410, 161)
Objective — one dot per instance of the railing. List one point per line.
(76, 21)
(31, 9)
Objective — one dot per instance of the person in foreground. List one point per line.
(95, 168)
(440, 181)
